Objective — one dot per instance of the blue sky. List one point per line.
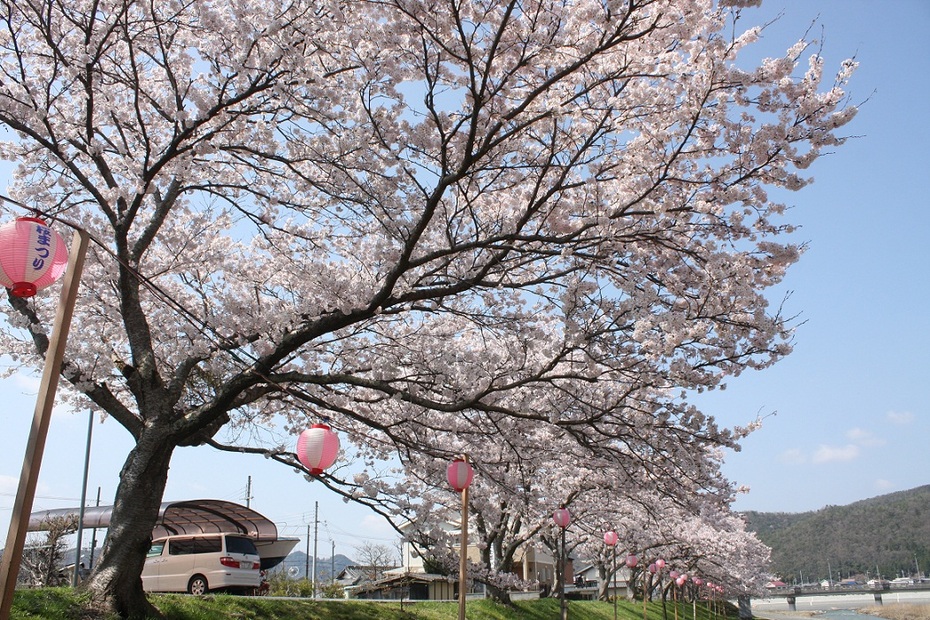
(851, 417)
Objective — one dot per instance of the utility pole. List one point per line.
(316, 522)
(307, 563)
(76, 577)
(248, 493)
(93, 537)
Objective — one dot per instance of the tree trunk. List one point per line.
(115, 584)
(604, 577)
(498, 594)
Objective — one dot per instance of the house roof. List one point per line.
(410, 577)
(196, 516)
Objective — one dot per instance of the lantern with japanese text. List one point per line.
(459, 473)
(317, 448)
(32, 256)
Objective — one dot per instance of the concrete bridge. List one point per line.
(792, 593)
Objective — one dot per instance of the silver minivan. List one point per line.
(200, 563)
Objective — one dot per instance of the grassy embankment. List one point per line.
(65, 604)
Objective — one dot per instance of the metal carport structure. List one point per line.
(191, 517)
(195, 516)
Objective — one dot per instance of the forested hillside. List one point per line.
(889, 535)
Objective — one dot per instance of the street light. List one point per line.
(25, 494)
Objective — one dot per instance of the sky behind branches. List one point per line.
(845, 417)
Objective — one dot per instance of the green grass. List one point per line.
(66, 604)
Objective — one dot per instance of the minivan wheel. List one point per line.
(197, 585)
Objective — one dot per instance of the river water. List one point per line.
(835, 607)
(846, 614)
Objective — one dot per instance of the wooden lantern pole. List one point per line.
(25, 494)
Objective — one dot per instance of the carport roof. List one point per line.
(196, 516)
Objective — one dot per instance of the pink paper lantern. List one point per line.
(32, 256)
(562, 517)
(460, 474)
(660, 563)
(673, 574)
(317, 448)
(653, 569)
(697, 581)
(681, 581)
(611, 538)
(631, 561)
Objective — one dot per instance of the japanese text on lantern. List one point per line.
(43, 246)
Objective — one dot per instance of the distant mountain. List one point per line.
(887, 535)
(297, 565)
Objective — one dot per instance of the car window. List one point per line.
(206, 545)
(240, 544)
(183, 546)
(156, 549)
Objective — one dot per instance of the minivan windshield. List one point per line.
(240, 544)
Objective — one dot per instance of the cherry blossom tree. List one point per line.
(418, 221)
(656, 508)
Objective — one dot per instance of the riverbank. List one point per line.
(899, 611)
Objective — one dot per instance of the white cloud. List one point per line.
(863, 438)
(375, 527)
(27, 392)
(831, 454)
(884, 485)
(900, 417)
(8, 485)
(792, 457)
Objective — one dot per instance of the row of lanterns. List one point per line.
(33, 257)
(318, 446)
